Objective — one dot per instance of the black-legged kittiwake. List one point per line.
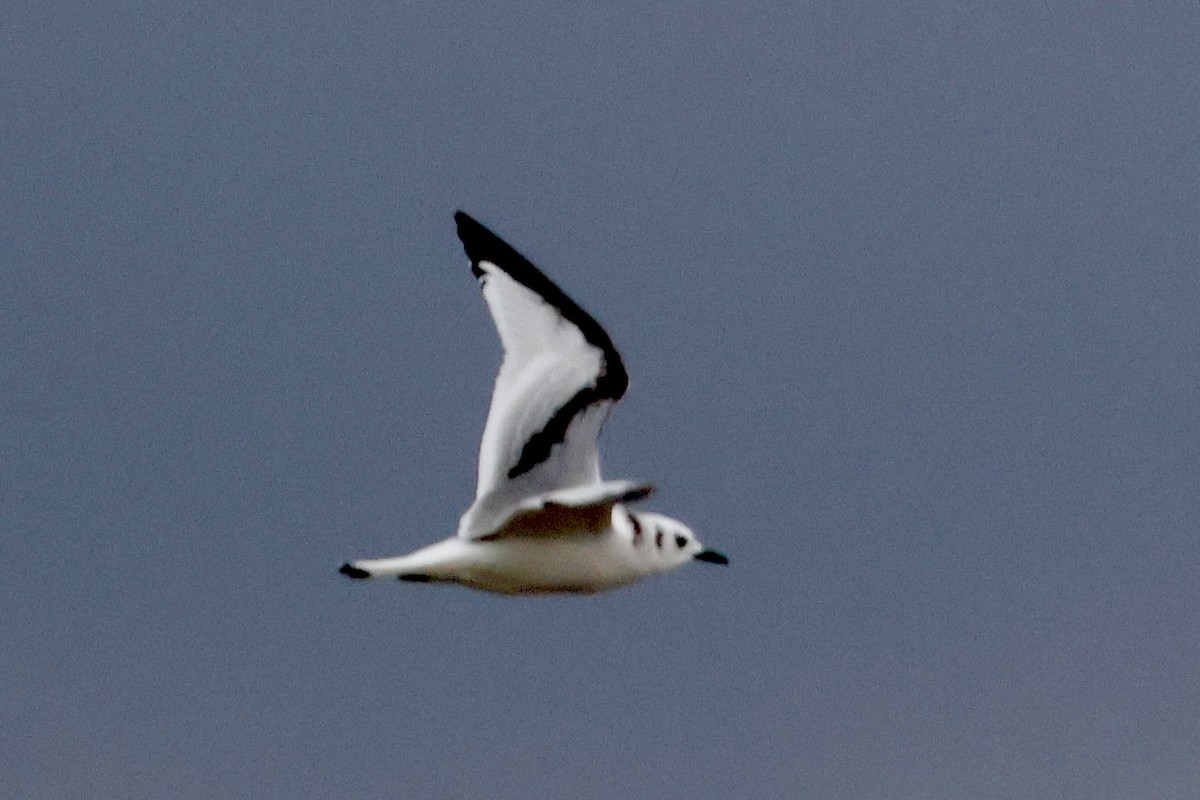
(543, 520)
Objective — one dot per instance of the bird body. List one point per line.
(582, 562)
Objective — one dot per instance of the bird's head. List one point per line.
(667, 543)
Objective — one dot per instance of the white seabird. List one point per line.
(543, 520)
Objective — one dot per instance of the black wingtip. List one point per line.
(637, 493)
(480, 243)
(351, 571)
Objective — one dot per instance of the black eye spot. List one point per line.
(680, 541)
(658, 539)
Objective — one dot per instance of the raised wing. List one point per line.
(560, 376)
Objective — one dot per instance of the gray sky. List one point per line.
(910, 300)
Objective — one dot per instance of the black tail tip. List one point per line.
(351, 571)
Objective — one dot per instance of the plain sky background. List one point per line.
(910, 298)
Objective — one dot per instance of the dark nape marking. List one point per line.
(637, 529)
(415, 578)
(612, 381)
(658, 540)
(351, 571)
(680, 540)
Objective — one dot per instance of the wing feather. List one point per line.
(560, 376)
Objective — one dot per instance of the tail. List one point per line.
(420, 567)
(437, 561)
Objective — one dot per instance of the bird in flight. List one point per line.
(543, 520)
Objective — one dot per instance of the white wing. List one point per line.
(559, 378)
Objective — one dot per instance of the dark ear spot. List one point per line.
(658, 539)
(680, 540)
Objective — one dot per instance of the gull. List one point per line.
(543, 520)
